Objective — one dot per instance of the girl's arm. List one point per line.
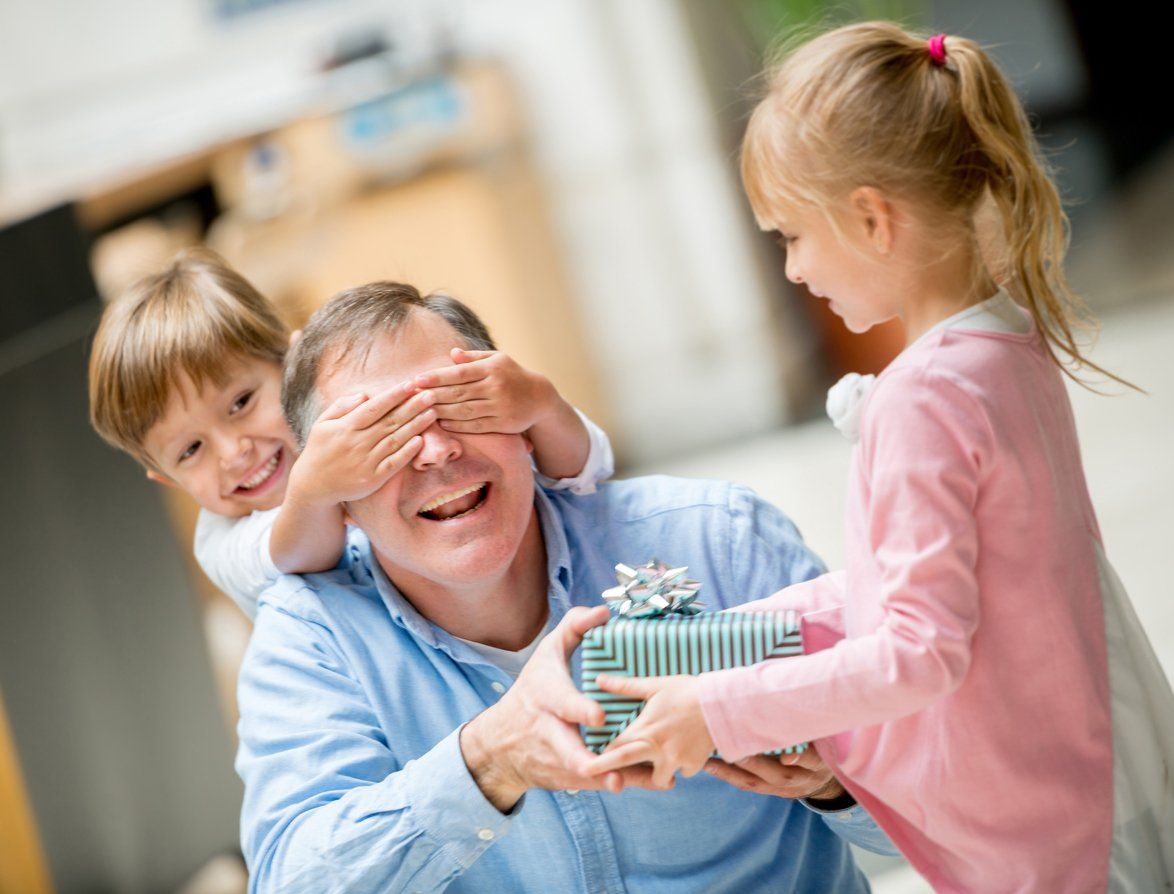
(923, 448)
(923, 455)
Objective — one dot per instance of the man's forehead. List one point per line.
(422, 342)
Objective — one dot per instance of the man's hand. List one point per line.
(670, 732)
(802, 775)
(530, 739)
(488, 391)
(358, 443)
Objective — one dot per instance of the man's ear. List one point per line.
(160, 478)
(875, 212)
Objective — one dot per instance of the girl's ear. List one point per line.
(876, 215)
(160, 479)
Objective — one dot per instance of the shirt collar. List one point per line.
(402, 612)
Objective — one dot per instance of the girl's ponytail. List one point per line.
(1026, 255)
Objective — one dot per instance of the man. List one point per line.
(404, 725)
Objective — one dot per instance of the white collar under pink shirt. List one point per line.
(999, 313)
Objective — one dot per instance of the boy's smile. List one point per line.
(227, 445)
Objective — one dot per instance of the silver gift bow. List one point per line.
(653, 590)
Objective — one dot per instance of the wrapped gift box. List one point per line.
(678, 644)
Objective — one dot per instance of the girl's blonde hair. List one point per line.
(867, 104)
(193, 319)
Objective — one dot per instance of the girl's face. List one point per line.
(845, 268)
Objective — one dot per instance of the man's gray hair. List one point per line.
(350, 322)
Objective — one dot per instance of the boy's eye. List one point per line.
(189, 451)
(241, 402)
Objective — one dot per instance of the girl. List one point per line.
(993, 702)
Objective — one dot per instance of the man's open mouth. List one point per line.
(455, 504)
(261, 477)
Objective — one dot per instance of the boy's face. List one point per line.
(228, 446)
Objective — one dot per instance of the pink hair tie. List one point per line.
(937, 49)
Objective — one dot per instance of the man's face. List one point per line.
(227, 445)
(457, 513)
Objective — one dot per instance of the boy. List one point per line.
(185, 376)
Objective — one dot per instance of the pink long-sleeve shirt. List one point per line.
(967, 706)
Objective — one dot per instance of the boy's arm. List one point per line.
(560, 439)
(307, 537)
(598, 466)
(353, 448)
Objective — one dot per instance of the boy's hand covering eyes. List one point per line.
(359, 442)
(488, 391)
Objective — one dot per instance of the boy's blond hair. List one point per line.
(191, 319)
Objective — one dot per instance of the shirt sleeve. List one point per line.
(599, 465)
(234, 553)
(856, 826)
(766, 553)
(327, 805)
(923, 444)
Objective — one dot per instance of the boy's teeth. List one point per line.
(448, 498)
(262, 476)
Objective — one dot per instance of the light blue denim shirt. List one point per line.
(351, 705)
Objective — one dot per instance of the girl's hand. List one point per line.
(358, 443)
(670, 732)
(488, 391)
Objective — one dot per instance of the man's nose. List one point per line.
(440, 447)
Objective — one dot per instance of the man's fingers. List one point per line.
(637, 687)
(567, 703)
(808, 759)
(770, 770)
(574, 626)
(733, 775)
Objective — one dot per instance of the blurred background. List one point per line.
(567, 167)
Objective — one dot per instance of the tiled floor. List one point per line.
(1127, 442)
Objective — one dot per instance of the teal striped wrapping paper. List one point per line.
(675, 644)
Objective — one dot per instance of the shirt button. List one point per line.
(843, 815)
(572, 791)
(497, 687)
(485, 834)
